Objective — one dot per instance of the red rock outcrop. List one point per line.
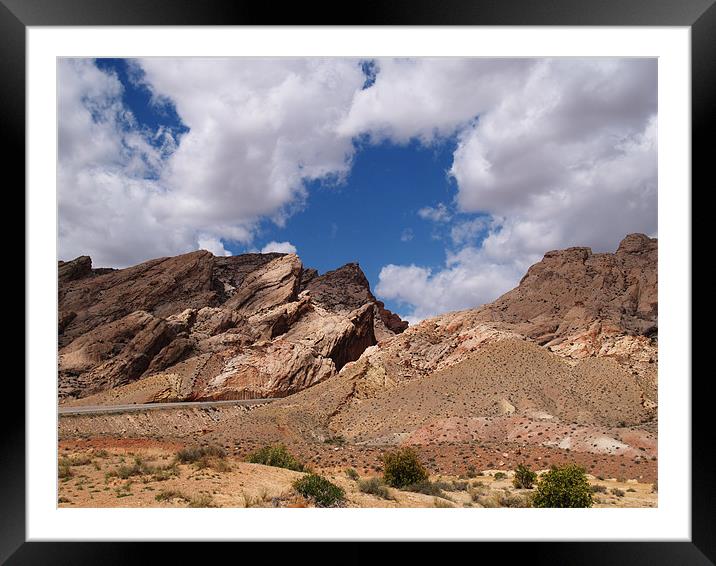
(575, 303)
(345, 289)
(224, 327)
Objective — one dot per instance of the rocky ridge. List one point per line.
(575, 303)
(254, 325)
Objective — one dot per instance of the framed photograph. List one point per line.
(292, 278)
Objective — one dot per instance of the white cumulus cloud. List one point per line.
(439, 213)
(566, 157)
(549, 153)
(279, 247)
(258, 129)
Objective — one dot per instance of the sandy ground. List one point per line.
(89, 468)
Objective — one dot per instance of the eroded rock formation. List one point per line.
(575, 303)
(254, 325)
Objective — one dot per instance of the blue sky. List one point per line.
(444, 178)
(371, 217)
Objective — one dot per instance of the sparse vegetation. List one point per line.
(507, 499)
(203, 456)
(278, 456)
(500, 475)
(402, 468)
(165, 472)
(427, 487)
(169, 494)
(563, 487)
(524, 477)
(64, 471)
(78, 460)
(598, 488)
(456, 485)
(374, 486)
(321, 491)
(351, 474)
(138, 468)
(618, 492)
(202, 500)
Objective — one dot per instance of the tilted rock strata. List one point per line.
(238, 315)
(575, 303)
(346, 289)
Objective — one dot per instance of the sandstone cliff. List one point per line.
(254, 325)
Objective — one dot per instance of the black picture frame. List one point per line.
(17, 15)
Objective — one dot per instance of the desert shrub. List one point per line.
(170, 494)
(618, 492)
(458, 486)
(598, 488)
(277, 456)
(471, 472)
(631, 490)
(427, 487)
(194, 454)
(507, 499)
(202, 500)
(374, 486)
(500, 475)
(351, 474)
(77, 460)
(320, 490)
(402, 468)
(563, 487)
(138, 468)
(524, 477)
(164, 473)
(64, 471)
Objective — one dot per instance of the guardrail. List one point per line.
(107, 409)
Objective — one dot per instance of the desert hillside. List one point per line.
(561, 369)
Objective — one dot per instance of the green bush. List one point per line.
(500, 475)
(352, 474)
(374, 486)
(277, 456)
(524, 477)
(320, 490)
(402, 468)
(563, 487)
